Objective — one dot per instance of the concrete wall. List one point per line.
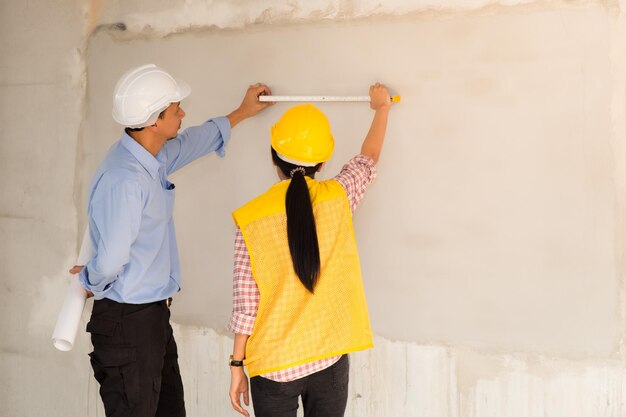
(492, 242)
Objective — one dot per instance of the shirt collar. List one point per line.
(145, 158)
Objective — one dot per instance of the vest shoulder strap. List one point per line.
(273, 200)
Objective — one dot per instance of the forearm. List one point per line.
(96, 283)
(373, 142)
(196, 142)
(236, 116)
(239, 346)
(103, 269)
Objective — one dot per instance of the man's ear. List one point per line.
(320, 167)
(152, 127)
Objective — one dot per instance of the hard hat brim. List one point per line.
(182, 92)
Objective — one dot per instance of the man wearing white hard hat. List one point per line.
(135, 270)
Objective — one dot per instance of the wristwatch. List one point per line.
(233, 362)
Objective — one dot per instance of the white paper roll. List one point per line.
(67, 324)
(72, 310)
(86, 251)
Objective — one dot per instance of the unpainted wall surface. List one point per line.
(494, 201)
(41, 87)
(492, 241)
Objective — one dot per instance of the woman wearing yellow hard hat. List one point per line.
(298, 300)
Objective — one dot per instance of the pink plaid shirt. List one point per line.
(355, 177)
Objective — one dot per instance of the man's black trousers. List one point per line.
(135, 359)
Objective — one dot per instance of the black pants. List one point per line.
(135, 360)
(324, 393)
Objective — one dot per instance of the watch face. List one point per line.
(233, 362)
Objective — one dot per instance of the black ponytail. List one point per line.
(301, 230)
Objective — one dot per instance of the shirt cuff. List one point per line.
(241, 324)
(368, 161)
(223, 125)
(83, 278)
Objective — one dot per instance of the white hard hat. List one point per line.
(144, 92)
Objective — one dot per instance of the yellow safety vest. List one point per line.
(293, 326)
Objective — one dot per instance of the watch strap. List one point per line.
(233, 362)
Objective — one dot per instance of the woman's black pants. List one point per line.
(324, 393)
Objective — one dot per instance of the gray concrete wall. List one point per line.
(492, 242)
(41, 111)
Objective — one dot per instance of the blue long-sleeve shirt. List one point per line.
(130, 215)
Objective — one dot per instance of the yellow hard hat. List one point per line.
(302, 136)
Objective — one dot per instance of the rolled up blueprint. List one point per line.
(72, 310)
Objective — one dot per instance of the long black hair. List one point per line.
(301, 230)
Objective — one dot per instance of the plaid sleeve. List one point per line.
(245, 291)
(355, 177)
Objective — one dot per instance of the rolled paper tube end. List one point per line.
(395, 99)
(62, 345)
